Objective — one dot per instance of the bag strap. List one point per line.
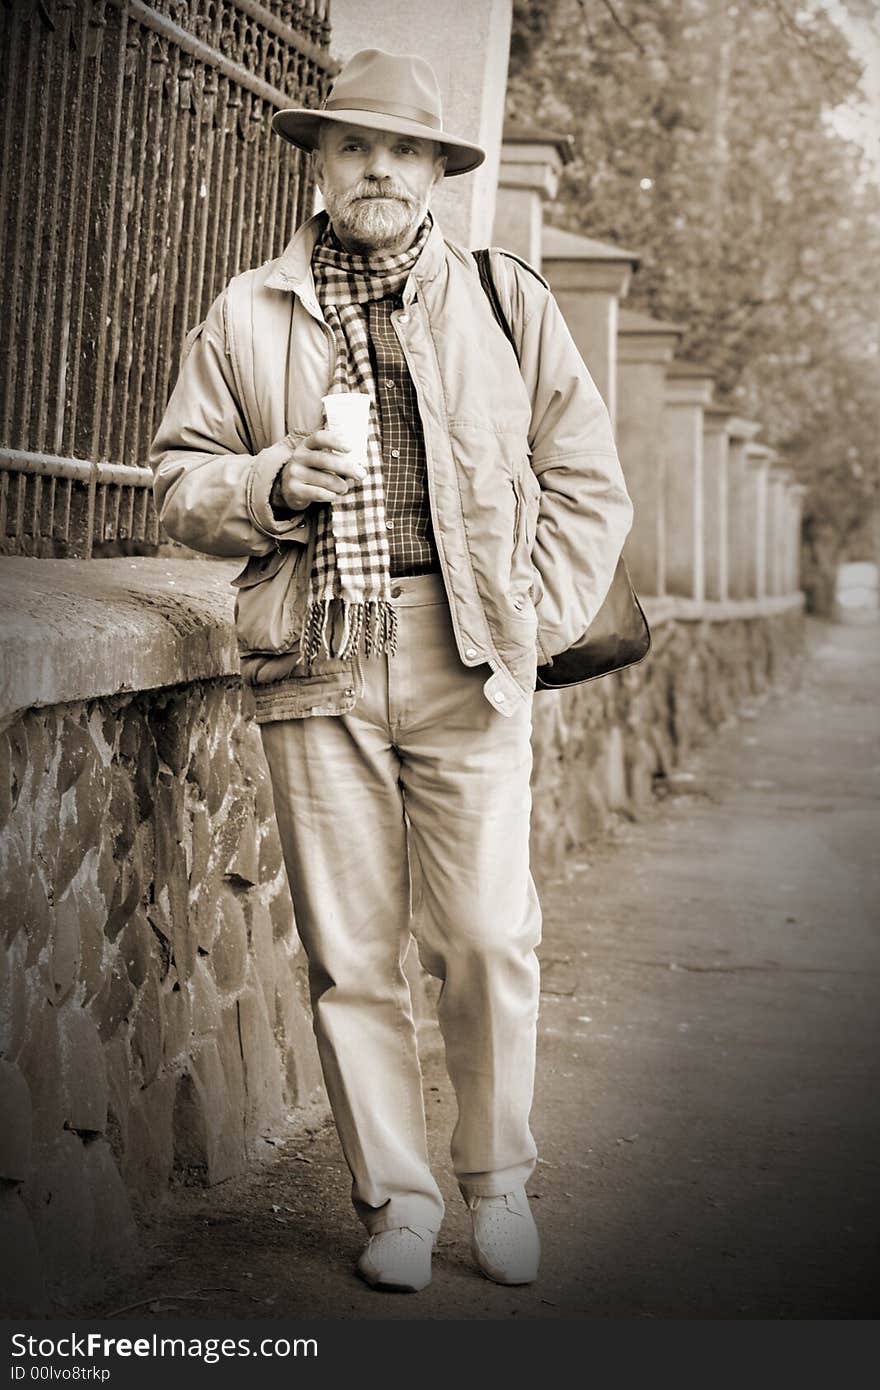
(485, 270)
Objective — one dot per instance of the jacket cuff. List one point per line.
(266, 467)
(280, 509)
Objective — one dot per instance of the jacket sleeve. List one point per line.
(211, 490)
(585, 511)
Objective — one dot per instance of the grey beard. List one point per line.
(374, 223)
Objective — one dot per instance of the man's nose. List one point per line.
(379, 162)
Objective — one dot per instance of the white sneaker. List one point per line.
(505, 1241)
(398, 1260)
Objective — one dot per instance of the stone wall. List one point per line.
(600, 748)
(153, 1012)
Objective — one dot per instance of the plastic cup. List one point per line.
(348, 412)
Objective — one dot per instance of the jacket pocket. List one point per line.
(270, 599)
(525, 585)
(530, 502)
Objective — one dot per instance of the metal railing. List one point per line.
(138, 172)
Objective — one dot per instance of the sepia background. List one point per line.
(699, 183)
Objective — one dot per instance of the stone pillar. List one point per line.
(467, 45)
(758, 461)
(716, 445)
(688, 392)
(588, 278)
(644, 347)
(531, 162)
(778, 528)
(795, 497)
(740, 508)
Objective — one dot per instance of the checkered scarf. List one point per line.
(350, 581)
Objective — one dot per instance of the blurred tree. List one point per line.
(703, 138)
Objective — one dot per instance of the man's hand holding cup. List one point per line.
(331, 461)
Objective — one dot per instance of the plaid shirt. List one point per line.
(404, 469)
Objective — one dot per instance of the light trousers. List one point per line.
(410, 816)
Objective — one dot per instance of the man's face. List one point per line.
(376, 185)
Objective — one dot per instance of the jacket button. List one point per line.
(498, 697)
(404, 318)
(471, 652)
(349, 693)
(396, 591)
(518, 603)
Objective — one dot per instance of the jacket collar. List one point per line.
(293, 268)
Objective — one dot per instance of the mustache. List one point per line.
(384, 188)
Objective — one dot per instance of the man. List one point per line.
(390, 620)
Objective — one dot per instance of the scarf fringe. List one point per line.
(335, 628)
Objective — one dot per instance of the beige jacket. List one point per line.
(528, 501)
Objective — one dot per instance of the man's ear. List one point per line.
(439, 170)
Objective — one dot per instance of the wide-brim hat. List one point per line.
(396, 92)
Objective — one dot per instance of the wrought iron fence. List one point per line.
(138, 172)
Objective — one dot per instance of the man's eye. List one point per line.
(406, 149)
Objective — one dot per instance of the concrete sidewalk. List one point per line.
(708, 1107)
